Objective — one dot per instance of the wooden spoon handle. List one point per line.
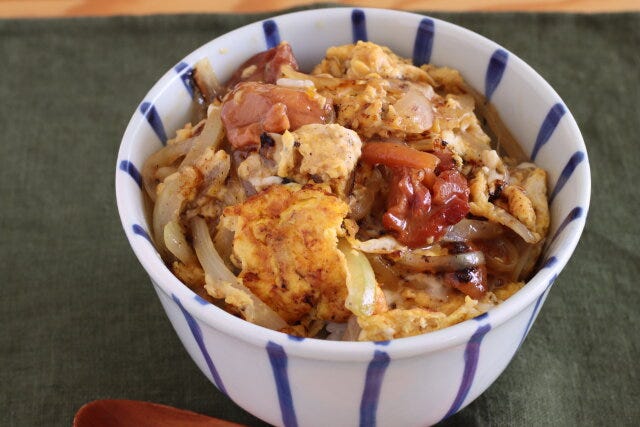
(121, 412)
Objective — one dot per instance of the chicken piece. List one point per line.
(285, 244)
(264, 66)
(314, 153)
(253, 108)
(319, 153)
(328, 151)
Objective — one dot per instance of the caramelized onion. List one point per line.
(415, 108)
(361, 281)
(206, 81)
(176, 243)
(258, 312)
(161, 159)
(468, 229)
(352, 331)
(417, 260)
(170, 202)
(501, 255)
(211, 136)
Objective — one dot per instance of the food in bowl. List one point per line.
(369, 199)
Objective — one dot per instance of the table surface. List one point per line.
(74, 8)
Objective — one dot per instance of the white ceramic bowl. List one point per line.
(411, 381)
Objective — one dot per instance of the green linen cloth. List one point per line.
(79, 319)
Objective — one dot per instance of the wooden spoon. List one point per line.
(120, 412)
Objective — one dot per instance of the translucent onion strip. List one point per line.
(170, 202)
(177, 244)
(161, 159)
(211, 136)
(505, 218)
(206, 80)
(497, 130)
(501, 255)
(352, 331)
(472, 229)
(417, 261)
(361, 281)
(257, 311)
(525, 264)
(207, 254)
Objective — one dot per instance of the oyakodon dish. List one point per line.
(362, 201)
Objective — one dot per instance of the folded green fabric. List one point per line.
(80, 320)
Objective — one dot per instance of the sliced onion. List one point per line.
(205, 79)
(361, 281)
(505, 141)
(177, 244)
(223, 243)
(163, 172)
(215, 167)
(416, 108)
(386, 275)
(381, 245)
(434, 285)
(525, 262)
(504, 257)
(508, 220)
(258, 312)
(471, 229)
(352, 331)
(417, 261)
(211, 262)
(396, 154)
(160, 159)
(335, 330)
(211, 136)
(169, 204)
(348, 331)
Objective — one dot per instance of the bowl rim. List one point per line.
(313, 348)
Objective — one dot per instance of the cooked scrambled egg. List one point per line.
(422, 313)
(285, 245)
